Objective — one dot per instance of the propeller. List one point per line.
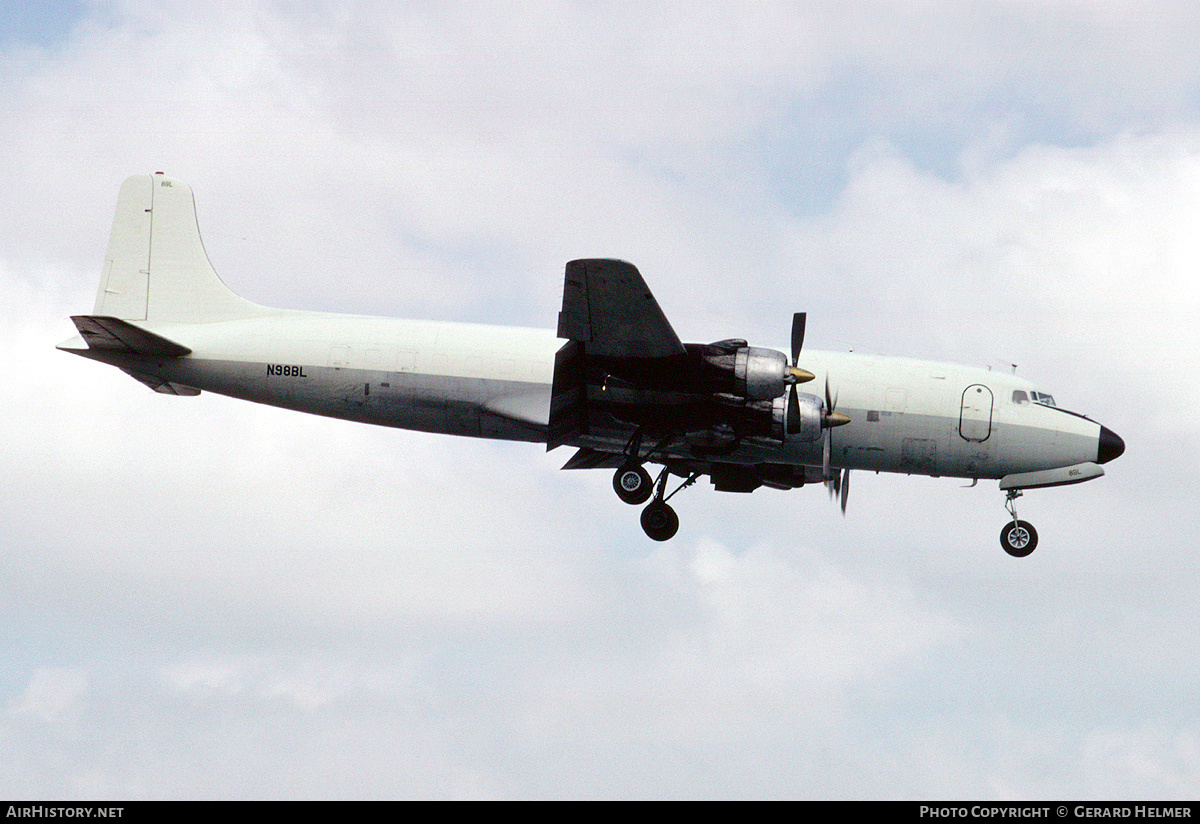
(838, 482)
(795, 374)
(832, 417)
(839, 487)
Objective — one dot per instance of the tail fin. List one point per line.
(156, 268)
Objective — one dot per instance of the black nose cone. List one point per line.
(1111, 445)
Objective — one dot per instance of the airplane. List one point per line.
(614, 381)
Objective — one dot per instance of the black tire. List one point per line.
(1018, 538)
(632, 484)
(660, 521)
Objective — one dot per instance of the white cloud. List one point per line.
(52, 694)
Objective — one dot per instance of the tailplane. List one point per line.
(156, 268)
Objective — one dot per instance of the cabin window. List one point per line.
(1019, 396)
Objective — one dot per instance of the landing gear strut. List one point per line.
(631, 482)
(1018, 538)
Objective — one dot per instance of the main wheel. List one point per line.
(1018, 538)
(632, 484)
(660, 521)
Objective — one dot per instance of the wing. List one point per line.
(623, 374)
(608, 306)
(614, 327)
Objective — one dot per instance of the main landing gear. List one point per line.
(1018, 538)
(633, 486)
(632, 483)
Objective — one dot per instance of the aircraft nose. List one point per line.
(1111, 445)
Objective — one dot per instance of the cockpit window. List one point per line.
(1019, 396)
(1043, 398)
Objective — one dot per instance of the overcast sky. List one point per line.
(202, 598)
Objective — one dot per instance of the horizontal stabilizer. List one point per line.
(116, 335)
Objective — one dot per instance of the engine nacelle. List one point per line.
(807, 425)
(774, 418)
(759, 374)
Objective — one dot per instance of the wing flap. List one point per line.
(568, 399)
(587, 458)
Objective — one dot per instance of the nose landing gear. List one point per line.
(1018, 538)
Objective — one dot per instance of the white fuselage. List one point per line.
(908, 416)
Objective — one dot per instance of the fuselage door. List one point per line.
(975, 421)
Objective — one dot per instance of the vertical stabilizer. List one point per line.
(125, 279)
(156, 268)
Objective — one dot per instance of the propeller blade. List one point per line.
(793, 412)
(845, 488)
(794, 372)
(799, 321)
(831, 417)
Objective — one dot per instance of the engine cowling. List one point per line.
(807, 425)
(774, 419)
(746, 371)
(759, 374)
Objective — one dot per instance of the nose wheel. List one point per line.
(1018, 538)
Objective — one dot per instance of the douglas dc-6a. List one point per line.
(615, 382)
